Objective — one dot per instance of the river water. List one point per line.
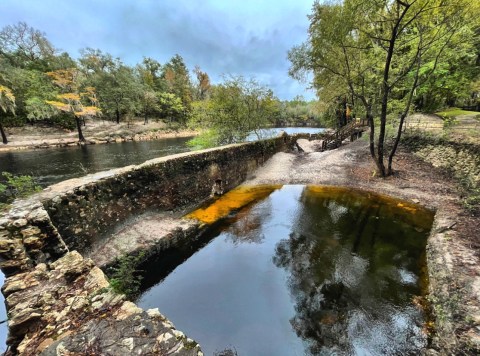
(53, 165)
(300, 270)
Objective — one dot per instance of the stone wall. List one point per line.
(91, 211)
(58, 301)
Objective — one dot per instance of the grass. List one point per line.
(452, 112)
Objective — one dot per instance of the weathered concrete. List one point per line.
(60, 303)
(89, 211)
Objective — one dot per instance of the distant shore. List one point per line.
(38, 137)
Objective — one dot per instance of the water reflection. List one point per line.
(307, 270)
(353, 271)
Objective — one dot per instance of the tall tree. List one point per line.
(203, 85)
(118, 88)
(70, 98)
(7, 104)
(375, 52)
(23, 46)
(176, 76)
(236, 108)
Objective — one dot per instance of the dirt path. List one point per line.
(454, 244)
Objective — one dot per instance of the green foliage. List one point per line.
(235, 108)
(124, 277)
(208, 138)
(383, 54)
(170, 108)
(14, 187)
(449, 122)
(472, 201)
(452, 112)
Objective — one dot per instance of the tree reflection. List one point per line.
(246, 226)
(353, 271)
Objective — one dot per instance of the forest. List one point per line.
(39, 85)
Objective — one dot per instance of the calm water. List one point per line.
(304, 270)
(50, 166)
(54, 165)
(272, 132)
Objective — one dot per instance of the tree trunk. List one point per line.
(395, 145)
(404, 115)
(4, 136)
(117, 112)
(372, 136)
(146, 119)
(79, 128)
(386, 88)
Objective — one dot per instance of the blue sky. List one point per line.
(239, 37)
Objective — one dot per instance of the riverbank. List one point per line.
(95, 132)
(453, 246)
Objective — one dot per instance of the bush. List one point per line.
(16, 187)
(124, 277)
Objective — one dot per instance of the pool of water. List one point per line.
(298, 270)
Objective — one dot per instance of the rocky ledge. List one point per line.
(67, 308)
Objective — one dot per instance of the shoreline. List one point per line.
(452, 247)
(45, 143)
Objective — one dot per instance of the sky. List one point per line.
(224, 37)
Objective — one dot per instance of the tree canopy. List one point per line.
(380, 53)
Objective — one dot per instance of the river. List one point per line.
(53, 165)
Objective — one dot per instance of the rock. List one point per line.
(23, 319)
(20, 223)
(126, 310)
(44, 344)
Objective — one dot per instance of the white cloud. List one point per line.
(242, 37)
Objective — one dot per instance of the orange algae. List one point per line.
(231, 201)
(411, 213)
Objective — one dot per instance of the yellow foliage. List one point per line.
(7, 99)
(88, 111)
(70, 100)
(59, 105)
(69, 97)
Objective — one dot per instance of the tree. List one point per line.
(235, 109)
(25, 47)
(170, 107)
(203, 85)
(31, 88)
(149, 103)
(7, 104)
(150, 74)
(175, 74)
(70, 98)
(375, 52)
(118, 89)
